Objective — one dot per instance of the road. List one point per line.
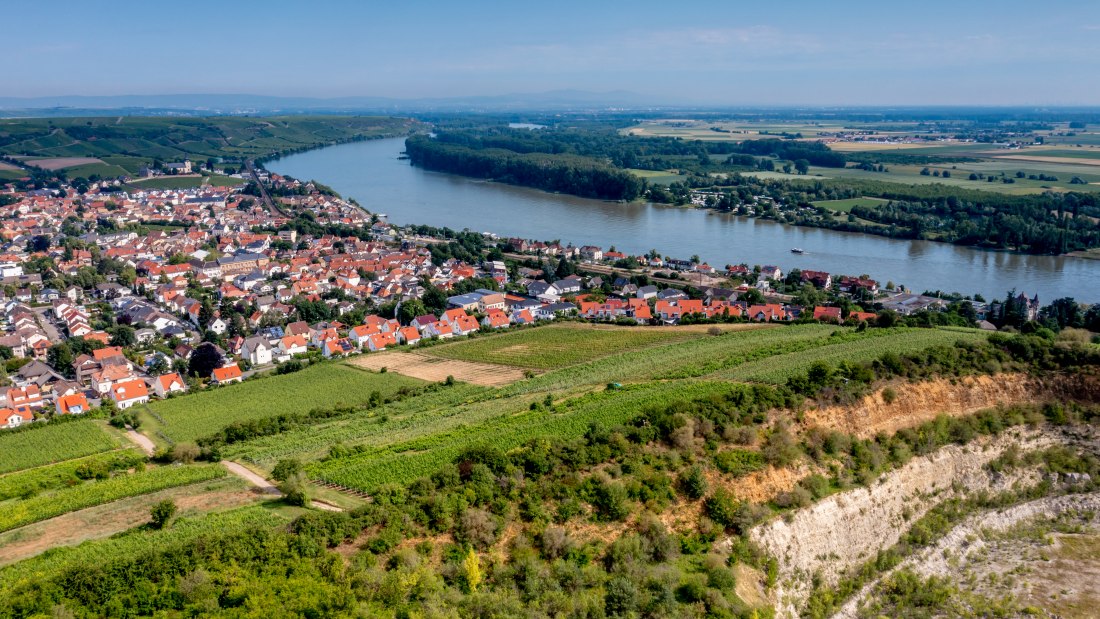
(263, 190)
(47, 325)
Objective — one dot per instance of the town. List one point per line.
(113, 297)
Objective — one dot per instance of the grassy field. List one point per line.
(845, 206)
(657, 177)
(556, 346)
(31, 481)
(405, 461)
(137, 543)
(18, 512)
(48, 444)
(325, 385)
(778, 368)
(186, 182)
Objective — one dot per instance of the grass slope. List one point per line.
(556, 346)
(321, 386)
(48, 444)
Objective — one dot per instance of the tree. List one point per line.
(802, 166)
(411, 309)
(295, 489)
(1062, 313)
(123, 336)
(60, 357)
(564, 269)
(162, 512)
(472, 571)
(159, 366)
(204, 360)
(435, 301)
(285, 469)
(752, 296)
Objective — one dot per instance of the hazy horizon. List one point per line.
(854, 53)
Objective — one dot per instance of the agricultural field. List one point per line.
(186, 182)
(47, 444)
(18, 512)
(778, 368)
(657, 177)
(31, 481)
(435, 369)
(404, 462)
(136, 543)
(114, 518)
(325, 385)
(845, 206)
(557, 345)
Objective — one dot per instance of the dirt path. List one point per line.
(144, 442)
(264, 485)
(435, 369)
(106, 520)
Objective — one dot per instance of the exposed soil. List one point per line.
(435, 369)
(916, 403)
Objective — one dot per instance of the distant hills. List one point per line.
(206, 104)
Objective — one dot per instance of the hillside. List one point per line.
(636, 475)
(130, 142)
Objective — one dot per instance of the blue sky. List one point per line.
(826, 52)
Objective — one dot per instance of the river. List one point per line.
(371, 173)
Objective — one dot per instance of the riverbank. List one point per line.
(371, 173)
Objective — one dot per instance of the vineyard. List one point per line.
(16, 513)
(31, 481)
(396, 421)
(777, 369)
(137, 543)
(325, 385)
(691, 358)
(558, 345)
(405, 461)
(46, 444)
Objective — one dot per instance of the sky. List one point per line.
(793, 52)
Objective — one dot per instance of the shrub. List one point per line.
(693, 483)
(889, 395)
(185, 453)
(478, 528)
(621, 596)
(285, 469)
(780, 449)
(738, 462)
(295, 490)
(162, 512)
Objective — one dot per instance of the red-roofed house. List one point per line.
(408, 335)
(827, 314)
(74, 404)
(495, 319)
(380, 341)
(29, 396)
(166, 384)
(228, 374)
(130, 393)
(15, 417)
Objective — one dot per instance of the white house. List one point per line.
(257, 350)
